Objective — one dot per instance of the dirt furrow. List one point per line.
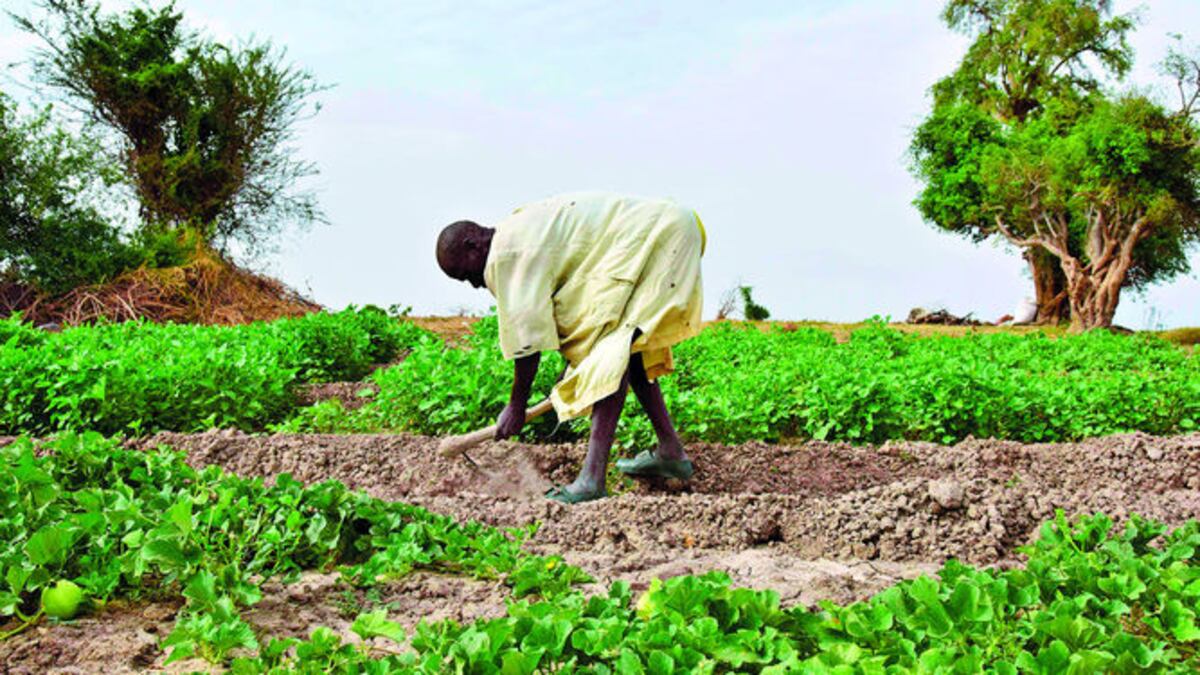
(976, 501)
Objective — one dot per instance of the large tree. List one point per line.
(1093, 190)
(1024, 54)
(204, 130)
(1107, 187)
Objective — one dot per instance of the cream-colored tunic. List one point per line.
(580, 273)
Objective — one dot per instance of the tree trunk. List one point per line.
(1094, 296)
(1050, 284)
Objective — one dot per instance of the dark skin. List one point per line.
(462, 254)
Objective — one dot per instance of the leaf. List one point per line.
(49, 545)
(376, 623)
(180, 514)
(628, 663)
(166, 553)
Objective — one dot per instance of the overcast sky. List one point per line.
(784, 124)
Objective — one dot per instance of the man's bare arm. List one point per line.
(511, 420)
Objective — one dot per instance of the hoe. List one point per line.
(458, 445)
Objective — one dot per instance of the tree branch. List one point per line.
(1029, 242)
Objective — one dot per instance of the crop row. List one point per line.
(122, 523)
(84, 511)
(733, 383)
(736, 383)
(1091, 599)
(141, 377)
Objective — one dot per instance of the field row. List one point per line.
(93, 521)
(140, 377)
(733, 383)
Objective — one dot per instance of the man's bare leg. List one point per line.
(605, 414)
(649, 394)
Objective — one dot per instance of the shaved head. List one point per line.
(462, 250)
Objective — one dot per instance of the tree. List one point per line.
(51, 234)
(204, 129)
(1093, 189)
(1025, 54)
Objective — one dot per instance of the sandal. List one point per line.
(646, 464)
(562, 495)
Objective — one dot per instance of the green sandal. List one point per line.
(648, 465)
(562, 495)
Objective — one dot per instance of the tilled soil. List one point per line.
(813, 521)
(899, 502)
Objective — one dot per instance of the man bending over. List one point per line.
(612, 282)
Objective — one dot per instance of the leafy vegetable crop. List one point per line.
(735, 383)
(1090, 600)
(115, 522)
(141, 377)
(119, 522)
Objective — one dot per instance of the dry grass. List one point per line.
(207, 290)
(449, 328)
(841, 331)
(1187, 337)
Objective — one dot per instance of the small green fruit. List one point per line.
(62, 601)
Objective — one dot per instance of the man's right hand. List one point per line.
(510, 422)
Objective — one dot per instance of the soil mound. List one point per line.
(813, 521)
(207, 290)
(977, 501)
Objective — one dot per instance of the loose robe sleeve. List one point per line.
(523, 282)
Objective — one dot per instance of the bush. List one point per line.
(444, 390)
(51, 236)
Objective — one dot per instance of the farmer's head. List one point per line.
(462, 251)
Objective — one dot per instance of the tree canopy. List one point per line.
(1028, 52)
(204, 129)
(1023, 141)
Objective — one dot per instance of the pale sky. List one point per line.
(784, 124)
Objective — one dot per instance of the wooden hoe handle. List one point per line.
(456, 445)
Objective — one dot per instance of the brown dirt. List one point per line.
(345, 392)
(814, 521)
(452, 329)
(976, 501)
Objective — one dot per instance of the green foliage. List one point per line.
(139, 377)
(1028, 72)
(206, 129)
(1090, 600)
(444, 390)
(1027, 53)
(124, 523)
(750, 309)
(734, 384)
(51, 235)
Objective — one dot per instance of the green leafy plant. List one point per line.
(1091, 599)
(735, 383)
(140, 377)
(88, 516)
